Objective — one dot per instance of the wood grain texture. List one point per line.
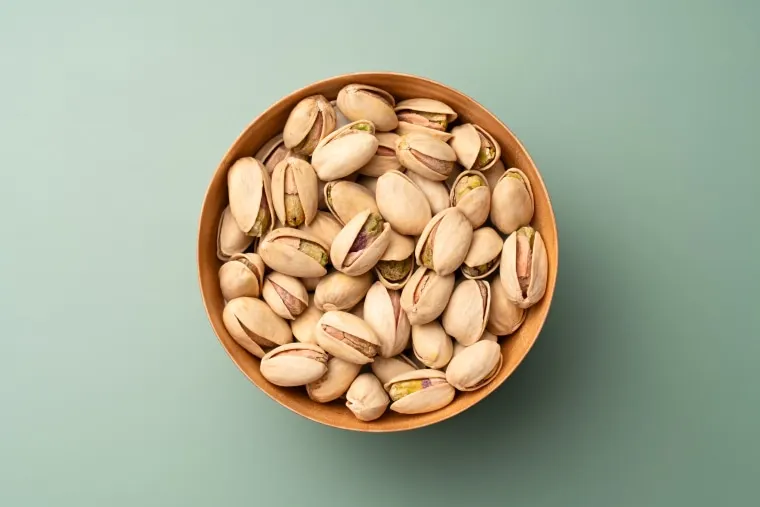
(270, 123)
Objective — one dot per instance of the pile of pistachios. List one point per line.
(376, 251)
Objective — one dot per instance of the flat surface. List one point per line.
(642, 390)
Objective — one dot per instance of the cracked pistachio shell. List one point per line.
(383, 313)
(385, 368)
(420, 391)
(484, 254)
(274, 152)
(366, 398)
(512, 205)
(384, 159)
(345, 151)
(347, 336)
(425, 295)
(339, 291)
(444, 242)
(285, 295)
(475, 367)
(466, 315)
(425, 155)
(324, 227)
(436, 192)
(294, 192)
(304, 326)
(333, 384)
(432, 346)
(345, 199)
(294, 364)
(310, 121)
(472, 196)
(402, 203)
(493, 174)
(242, 275)
(368, 182)
(475, 148)
(360, 244)
(250, 197)
(425, 116)
(505, 317)
(340, 118)
(396, 266)
(254, 326)
(229, 238)
(524, 267)
(486, 336)
(294, 252)
(364, 102)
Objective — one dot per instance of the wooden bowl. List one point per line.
(269, 124)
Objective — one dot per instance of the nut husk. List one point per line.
(475, 366)
(333, 384)
(384, 159)
(249, 196)
(425, 295)
(419, 391)
(339, 291)
(425, 116)
(385, 368)
(486, 336)
(294, 364)
(466, 315)
(363, 102)
(345, 199)
(366, 398)
(309, 122)
(436, 192)
(505, 317)
(274, 152)
(324, 227)
(348, 337)
(475, 148)
(383, 313)
(242, 275)
(402, 203)
(425, 155)
(524, 267)
(294, 192)
(345, 151)
(254, 326)
(444, 242)
(294, 252)
(484, 255)
(472, 196)
(304, 326)
(512, 205)
(230, 239)
(432, 346)
(285, 295)
(396, 265)
(360, 244)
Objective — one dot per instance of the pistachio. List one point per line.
(254, 326)
(324, 227)
(294, 252)
(472, 197)
(333, 384)
(274, 152)
(432, 346)
(294, 192)
(360, 244)
(242, 275)
(419, 391)
(345, 199)
(475, 148)
(402, 203)
(230, 239)
(339, 291)
(366, 398)
(466, 315)
(340, 118)
(425, 295)
(425, 116)
(475, 367)
(348, 337)
(345, 151)
(484, 254)
(512, 201)
(444, 242)
(486, 336)
(425, 155)
(397, 262)
(294, 364)
(385, 368)
(524, 267)
(305, 325)
(364, 102)
(285, 295)
(505, 317)
(249, 195)
(383, 313)
(384, 159)
(435, 191)
(310, 121)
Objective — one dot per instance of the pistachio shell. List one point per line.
(486, 336)
(254, 326)
(230, 239)
(426, 116)
(333, 384)
(324, 227)
(512, 201)
(505, 317)
(475, 367)
(310, 121)
(274, 152)
(383, 313)
(432, 346)
(249, 196)
(475, 148)
(304, 326)
(402, 203)
(345, 199)
(366, 398)
(444, 242)
(345, 151)
(294, 364)
(396, 265)
(384, 159)
(340, 118)
(339, 291)
(425, 155)
(524, 267)
(420, 391)
(367, 234)
(436, 192)
(466, 315)
(364, 102)
(425, 295)
(242, 275)
(290, 251)
(369, 183)
(493, 174)
(294, 192)
(348, 337)
(472, 196)
(285, 295)
(385, 368)
(484, 254)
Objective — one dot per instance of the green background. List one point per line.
(642, 389)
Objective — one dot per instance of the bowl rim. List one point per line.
(357, 77)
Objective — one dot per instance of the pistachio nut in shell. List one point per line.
(340, 118)
(254, 326)
(242, 275)
(484, 254)
(396, 265)
(524, 267)
(360, 244)
(436, 192)
(383, 313)
(366, 398)
(333, 384)
(472, 196)
(493, 174)
(324, 227)
(294, 364)
(402, 204)
(425, 116)
(339, 291)
(345, 151)
(425, 295)
(345, 199)
(273, 152)
(250, 199)
(432, 346)
(425, 155)
(348, 337)
(445, 241)
(419, 391)
(486, 336)
(230, 239)
(475, 367)
(475, 148)
(384, 159)
(294, 252)
(368, 182)
(512, 205)
(466, 315)
(304, 326)
(294, 192)
(385, 368)
(310, 121)
(364, 102)
(505, 317)
(285, 295)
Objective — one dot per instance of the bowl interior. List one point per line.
(269, 124)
